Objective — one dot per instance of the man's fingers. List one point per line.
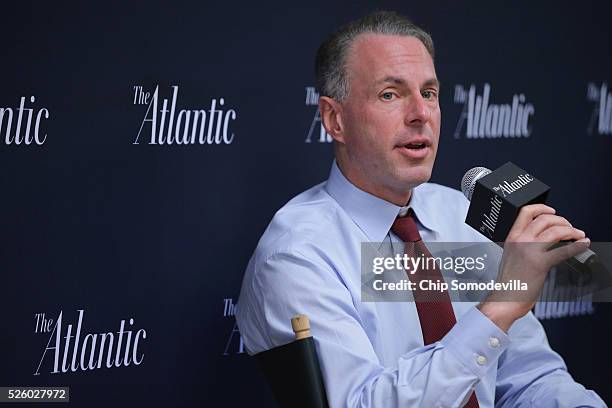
(544, 221)
(558, 233)
(564, 252)
(526, 216)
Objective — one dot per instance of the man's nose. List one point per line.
(417, 111)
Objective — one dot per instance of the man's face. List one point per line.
(391, 118)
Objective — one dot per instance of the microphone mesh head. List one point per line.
(468, 182)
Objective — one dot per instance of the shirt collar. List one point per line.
(373, 215)
(425, 208)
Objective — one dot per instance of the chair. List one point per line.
(293, 370)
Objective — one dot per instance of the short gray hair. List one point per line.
(330, 62)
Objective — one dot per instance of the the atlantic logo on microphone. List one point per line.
(507, 188)
(498, 197)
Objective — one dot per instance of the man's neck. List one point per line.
(399, 198)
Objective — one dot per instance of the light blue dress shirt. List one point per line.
(372, 353)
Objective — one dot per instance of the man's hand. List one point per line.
(527, 257)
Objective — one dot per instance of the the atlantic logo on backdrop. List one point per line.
(73, 348)
(316, 131)
(602, 112)
(481, 117)
(17, 135)
(232, 346)
(583, 305)
(168, 125)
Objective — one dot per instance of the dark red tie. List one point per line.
(434, 307)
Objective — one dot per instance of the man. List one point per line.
(379, 102)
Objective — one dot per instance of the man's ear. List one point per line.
(331, 116)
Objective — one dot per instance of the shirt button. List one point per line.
(494, 342)
(481, 360)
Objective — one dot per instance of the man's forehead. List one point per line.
(376, 55)
(381, 45)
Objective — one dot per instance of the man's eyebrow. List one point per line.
(433, 82)
(392, 79)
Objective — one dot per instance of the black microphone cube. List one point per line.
(499, 196)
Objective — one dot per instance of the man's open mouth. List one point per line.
(415, 146)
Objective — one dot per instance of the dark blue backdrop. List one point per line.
(161, 233)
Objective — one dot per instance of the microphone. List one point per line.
(497, 196)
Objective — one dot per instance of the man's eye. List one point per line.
(428, 94)
(387, 96)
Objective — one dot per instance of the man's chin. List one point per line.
(416, 175)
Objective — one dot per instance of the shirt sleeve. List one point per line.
(531, 374)
(440, 374)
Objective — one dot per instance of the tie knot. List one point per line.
(406, 228)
